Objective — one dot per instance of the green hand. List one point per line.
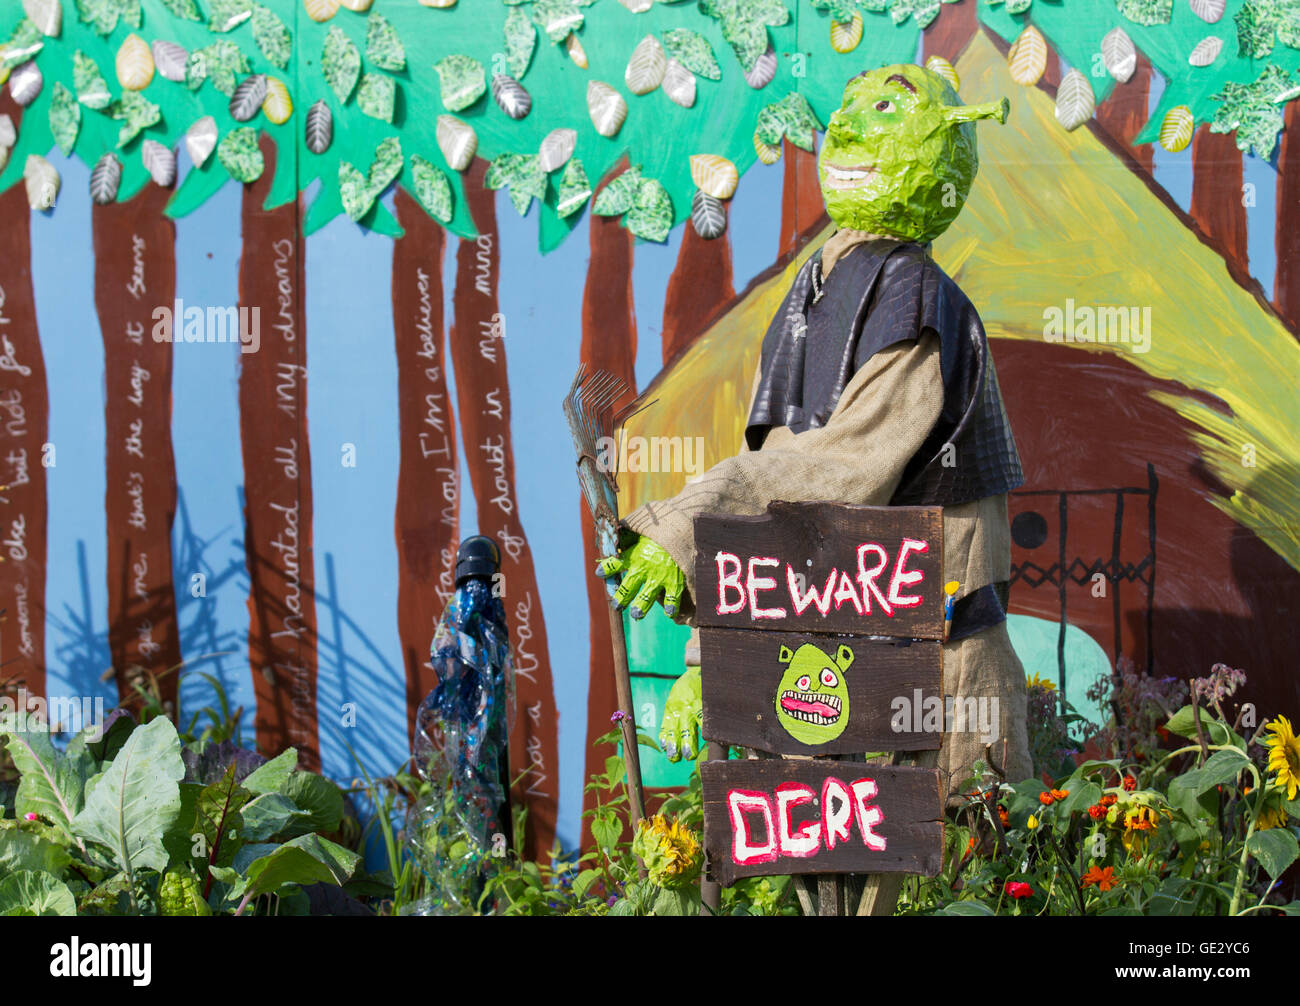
(648, 572)
(683, 716)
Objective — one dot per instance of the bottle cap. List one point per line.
(477, 556)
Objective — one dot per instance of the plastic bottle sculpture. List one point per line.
(462, 729)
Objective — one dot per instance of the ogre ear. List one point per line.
(786, 655)
(844, 657)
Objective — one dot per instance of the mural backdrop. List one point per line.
(290, 292)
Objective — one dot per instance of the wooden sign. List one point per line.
(821, 629)
(820, 695)
(772, 817)
(822, 567)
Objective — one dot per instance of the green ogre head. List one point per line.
(899, 156)
(812, 700)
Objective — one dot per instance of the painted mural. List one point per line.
(291, 291)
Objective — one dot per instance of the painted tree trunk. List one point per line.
(801, 199)
(608, 343)
(1217, 203)
(135, 272)
(428, 490)
(1286, 281)
(1122, 115)
(24, 413)
(282, 636)
(948, 33)
(700, 284)
(478, 353)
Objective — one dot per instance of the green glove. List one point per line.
(683, 717)
(648, 572)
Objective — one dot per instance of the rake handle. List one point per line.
(623, 691)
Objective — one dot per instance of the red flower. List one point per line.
(1017, 889)
(1130, 784)
(1004, 816)
(1108, 800)
(1096, 812)
(1060, 794)
(1045, 799)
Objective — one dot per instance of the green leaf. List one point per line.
(222, 62)
(267, 816)
(693, 51)
(340, 63)
(180, 895)
(377, 96)
(52, 785)
(226, 15)
(1182, 724)
(306, 860)
(319, 797)
(432, 189)
(133, 802)
(136, 113)
(92, 89)
(1221, 767)
(219, 819)
(682, 902)
(1146, 12)
(27, 891)
(618, 196)
(1276, 849)
(26, 850)
(521, 40)
(1082, 796)
(271, 777)
(651, 217)
(25, 42)
(240, 156)
(574, 189)
(272, 36)
(187, 10)
(965, 908)
(354, 191)
(583, 882)
(744, 25)
(179, 838)
(383, 47)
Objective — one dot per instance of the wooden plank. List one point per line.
(861, 694)
(823, 567)
(890, 822)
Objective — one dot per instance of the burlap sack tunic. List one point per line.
(858, 457)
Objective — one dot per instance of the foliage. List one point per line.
(1198, 830)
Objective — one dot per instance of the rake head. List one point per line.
(590, 412)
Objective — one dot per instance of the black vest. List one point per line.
(880, 293)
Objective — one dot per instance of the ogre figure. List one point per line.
(812, 700)
(875, 387)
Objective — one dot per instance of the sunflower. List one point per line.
(671, 853)
(1034, 681)
(1271, 817)
(1284, 756)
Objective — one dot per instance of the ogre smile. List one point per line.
(850, 177)
(811, 707)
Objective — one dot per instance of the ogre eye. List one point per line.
(804, 683)
(829, 678)
(884, 106)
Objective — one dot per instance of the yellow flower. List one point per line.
(1271, 817)
(1034, 681)
(1032, 823)
(671, 853)
(1284, 756)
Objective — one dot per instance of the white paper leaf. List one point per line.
(1119, 54)
(159, 161)
(645, 70)
(170, 59)
(763, 71)
(708, 215)
(25, 83)
(47, 15)
(607, 108)
(1206, 52)
(1075, 101)
(637, 6)
(320, 127)
(557, 148)
(510, 96)
(247, 100)
(201, 140)
(41, 179)
(105, 180)
(457, 141)
(1208, 10)
(679, 84)
(8, 134)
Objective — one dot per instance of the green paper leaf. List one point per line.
(187, 10)
(377, 96)
(462, 81)
(432, 189)
(1146, 12)
(226, 15)
(557, 18)
(693, 51)
(521, 40)
(65, 118)
(222, 62)
(843, 10)
(744, 24)
(92, 89)
(132, 803)
(651, 217)
(340, 63)
(574, 190)
(24, 44)
(239, 155)
(1254, 110)
(523, 174)
(617, 197)
(383, 47)
(272, 36)
(27, 892)
(137, 113)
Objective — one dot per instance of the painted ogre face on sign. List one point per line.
(900, 155)
(812, 700)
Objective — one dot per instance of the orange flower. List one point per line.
(1130, 784)
(1108, 800)
(1104, 879)
(970, 845)
(1045, 799)
(1004, 817)
(1096, 812)
(1060, 794)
